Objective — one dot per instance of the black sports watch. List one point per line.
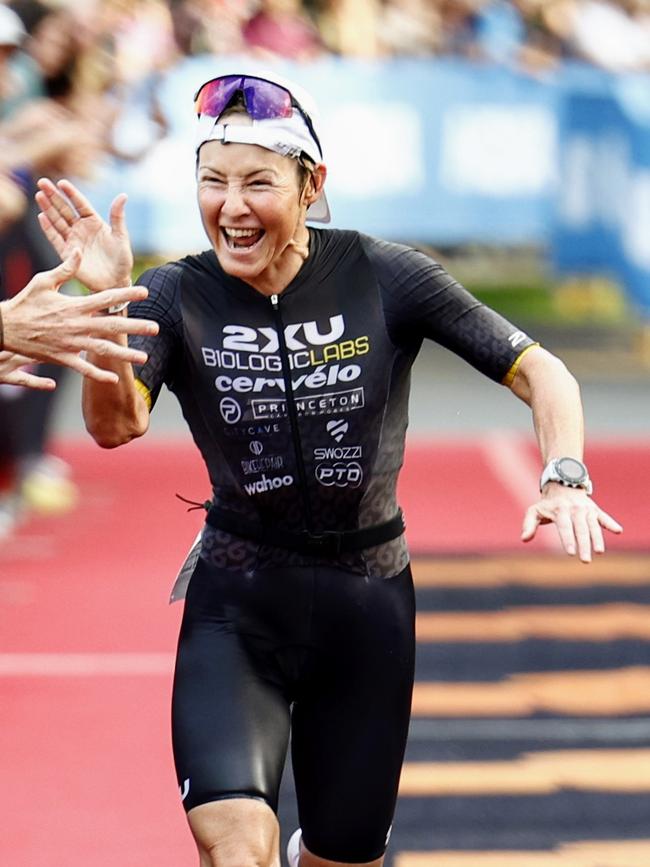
(567, 471)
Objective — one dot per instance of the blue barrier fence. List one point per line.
(439, 152)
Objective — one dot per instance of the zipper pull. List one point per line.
(275, 301)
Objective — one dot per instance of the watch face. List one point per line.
(571, 470)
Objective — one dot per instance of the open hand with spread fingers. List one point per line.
(13, 372)
(41, 324)
(71, 223)
(579, 520)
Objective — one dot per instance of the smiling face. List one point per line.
(253, 208)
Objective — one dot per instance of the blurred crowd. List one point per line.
(74, 75)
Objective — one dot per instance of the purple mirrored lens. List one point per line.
(215, 95)
(262, 99)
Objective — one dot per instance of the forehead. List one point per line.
(242, 159)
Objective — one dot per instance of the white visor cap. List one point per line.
(288, 136)
(12, 31)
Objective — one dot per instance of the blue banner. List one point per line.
(603, 209)
(443, 152)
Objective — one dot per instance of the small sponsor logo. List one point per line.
(321, 377)
(259, 465)
(256, 447)
(267, 483)
(185, 789)
(337, 428)
(338, 453)
(318, 404)
(339, 474)
(230, 410)
(516, 338)
(253, 430)
(243, 338)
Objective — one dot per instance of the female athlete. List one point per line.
(289, 349)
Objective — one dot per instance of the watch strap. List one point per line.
(551, 473)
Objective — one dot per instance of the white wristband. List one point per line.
(117, 308)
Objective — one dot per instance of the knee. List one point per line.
(236, 833)
(236, 856)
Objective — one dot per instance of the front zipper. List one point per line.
(292, 413)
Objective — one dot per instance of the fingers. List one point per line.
(565, 529)
(110, 297)
(80, 202)
(608, 522)
(89, 370)
(579, 523)
(111, 326)
(56, 217)
(52, 234)
(56, 277)
(30, 380)
(112, 351)
(596, 533)
(531, 522)
(117, 215)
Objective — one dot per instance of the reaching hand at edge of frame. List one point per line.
(71, 223)
(12, 372)
(41, 324)
(578, 519)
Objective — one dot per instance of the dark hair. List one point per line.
(31, 13)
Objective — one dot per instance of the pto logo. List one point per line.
(341, 475)
(337, 429)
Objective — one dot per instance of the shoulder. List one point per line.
(169, 277)
(402, 265)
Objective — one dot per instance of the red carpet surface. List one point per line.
(87, 637)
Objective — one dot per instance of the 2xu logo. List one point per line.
(342, 475)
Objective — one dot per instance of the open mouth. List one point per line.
(242, 239)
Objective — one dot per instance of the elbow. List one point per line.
(542, 368)
(112, 436)
(107, 440)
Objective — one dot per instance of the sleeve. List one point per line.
(162, 306)
(421, 300)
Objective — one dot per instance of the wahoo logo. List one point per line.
(185, 789)
(261, 486)
(337, 428)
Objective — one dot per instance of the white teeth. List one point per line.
(240, 233)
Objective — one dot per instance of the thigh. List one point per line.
(230, 723)
(349, 730)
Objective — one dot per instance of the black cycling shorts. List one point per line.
(323, 653)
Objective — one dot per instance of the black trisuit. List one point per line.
(298, 404)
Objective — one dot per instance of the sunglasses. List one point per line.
(263, 99)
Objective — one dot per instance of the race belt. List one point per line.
(327, 543)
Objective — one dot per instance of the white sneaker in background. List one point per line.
(293, 849)
(46, 486)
